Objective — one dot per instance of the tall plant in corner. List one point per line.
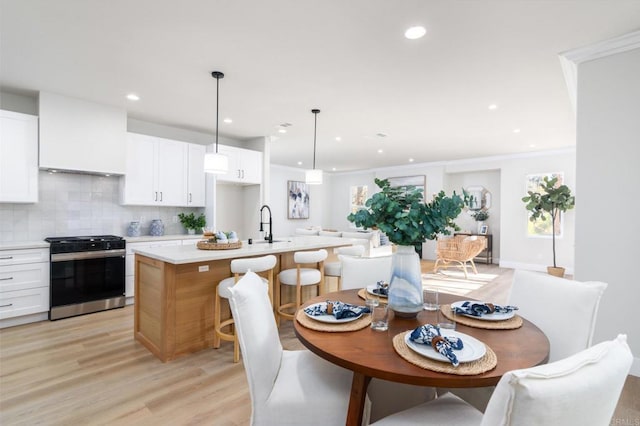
(553, 200)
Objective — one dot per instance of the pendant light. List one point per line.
(213, 161)
(313, 176)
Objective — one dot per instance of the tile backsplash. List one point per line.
(75, 204)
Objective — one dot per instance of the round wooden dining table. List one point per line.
(369, 353)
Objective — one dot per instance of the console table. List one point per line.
(486, 256)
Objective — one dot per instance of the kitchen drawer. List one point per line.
(20, 256)
(22, 277)
(24, 302)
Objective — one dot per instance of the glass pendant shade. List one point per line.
(313, 177)
(216, 163)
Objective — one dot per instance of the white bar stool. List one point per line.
(309, 271)
(334, 269)
(239, 267)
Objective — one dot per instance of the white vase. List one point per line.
(405, 288)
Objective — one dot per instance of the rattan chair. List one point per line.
(459, 251)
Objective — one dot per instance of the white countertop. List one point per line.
(147, 238)
(21, 245)
(191, 254)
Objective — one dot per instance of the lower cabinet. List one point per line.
(24, 283)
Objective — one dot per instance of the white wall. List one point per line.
(608, 132)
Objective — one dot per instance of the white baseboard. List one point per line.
(25, 319)
(528, 266)
(635, 367)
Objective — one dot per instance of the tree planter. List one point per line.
(555, 271)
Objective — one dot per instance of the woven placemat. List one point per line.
(484, 364)
(312, 324)
(363, 295)
(508, 324)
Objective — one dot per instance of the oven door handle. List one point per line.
(64, 257)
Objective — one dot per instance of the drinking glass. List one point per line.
(430, 296)
(447, 322)
(380, 317)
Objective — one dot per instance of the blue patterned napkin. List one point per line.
(382, 288)
(430, 335)
(339, 310)
(479, 309)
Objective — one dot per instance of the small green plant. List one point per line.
(402, 214)
(190, 221)
(480, 215)
(551, 201)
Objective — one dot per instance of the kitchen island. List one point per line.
(175, 289)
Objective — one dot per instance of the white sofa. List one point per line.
(369, 239)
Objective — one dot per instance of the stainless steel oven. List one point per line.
(87, 274)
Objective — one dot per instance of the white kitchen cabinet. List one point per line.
(245, 165)
(195, 176)
(156, 172)
(18, 157)
(24, 283)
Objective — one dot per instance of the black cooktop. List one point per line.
(83, 238)
(85, 243)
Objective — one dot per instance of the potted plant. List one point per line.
(480, 216)
(191, 222)
(402, 214)
(550, 202)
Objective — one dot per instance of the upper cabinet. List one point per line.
(245, 166)
(78, 135)
(163, 172)
(18, 157)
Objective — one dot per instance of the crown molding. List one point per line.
(570, 59)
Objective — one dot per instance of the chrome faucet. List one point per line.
(268, 237)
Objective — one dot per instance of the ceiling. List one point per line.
(349, 58)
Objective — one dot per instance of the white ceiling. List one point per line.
(349, 58)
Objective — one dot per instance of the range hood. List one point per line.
(81, 136)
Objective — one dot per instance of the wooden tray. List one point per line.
(206, 245)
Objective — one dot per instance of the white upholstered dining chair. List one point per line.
(239, 267)
(286, 387)
(334, 269)
(359, 272)
(582, 389)
(565, 310)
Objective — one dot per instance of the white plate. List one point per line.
(328, 318)
(496, 316)
(472, 348)
(370, 289)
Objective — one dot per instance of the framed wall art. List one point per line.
(419, 181)
(298, 200)
(358, 197)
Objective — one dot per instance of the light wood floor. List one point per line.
(89, 370)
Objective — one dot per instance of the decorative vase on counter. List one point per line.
(134, 229)
(157, 228)
(405, 288)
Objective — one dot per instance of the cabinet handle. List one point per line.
(239, 174)
(156, 198)
(6, 306)
(6, 279)
(6, 258)
(190, 198)
(160, 196)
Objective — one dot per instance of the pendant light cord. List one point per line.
(217, 75)
(315, 130)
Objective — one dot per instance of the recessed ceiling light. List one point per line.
(133, 97)
(411, 160)
(416, 32)
(228, 120)
(299, 163)
(380, 151)
(532, 145)
(493, 107)
(282, 130)
(338, 138)
(334, 169)
(516, 130)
